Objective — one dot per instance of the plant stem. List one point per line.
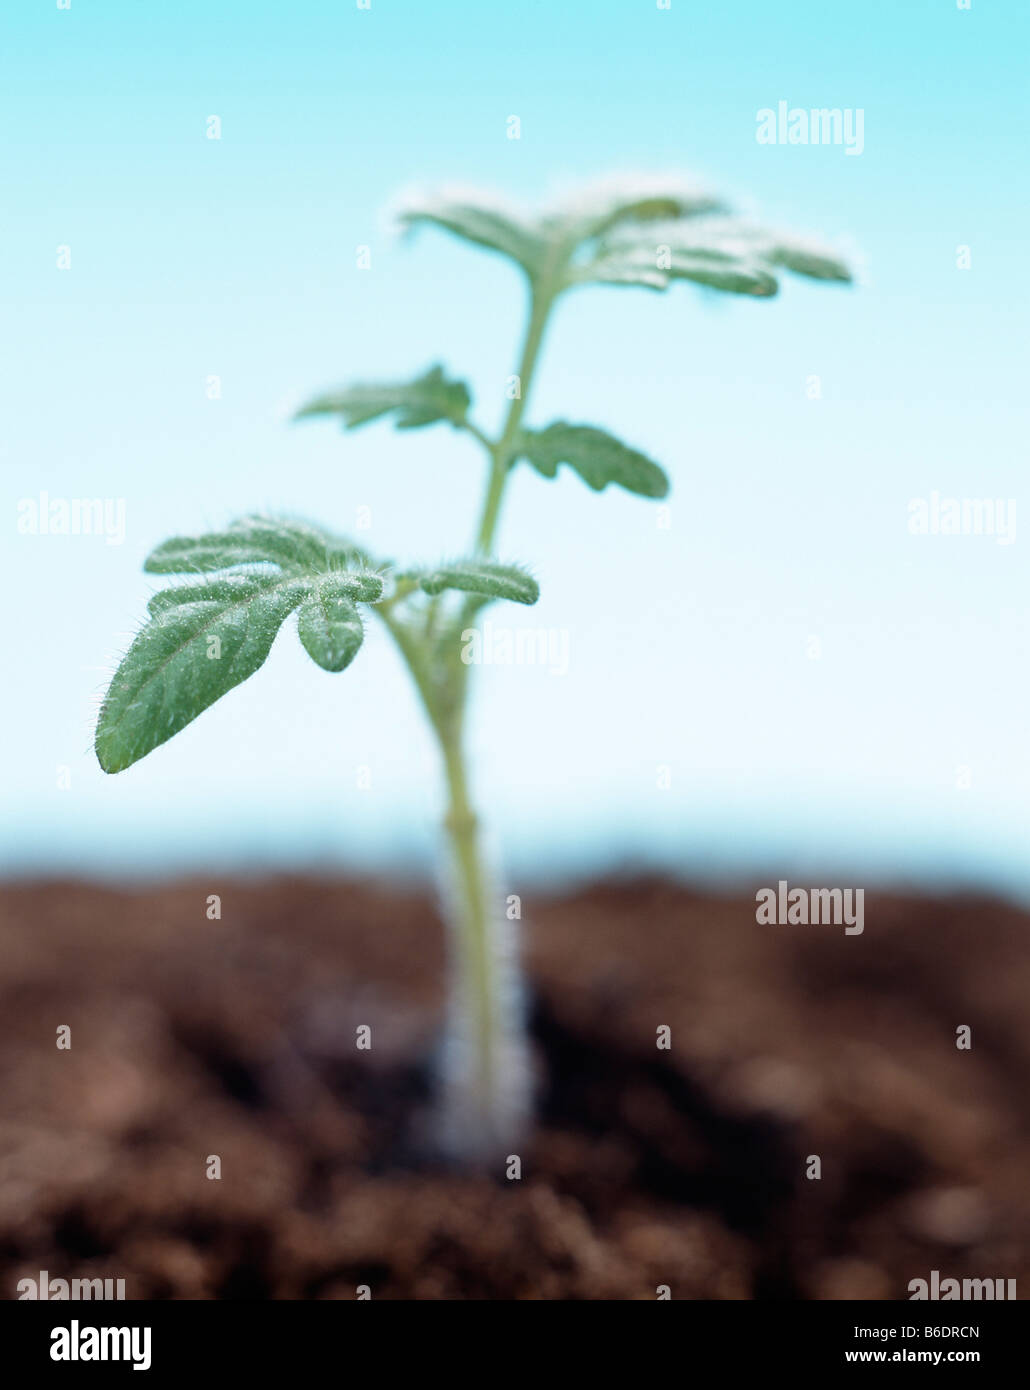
(483, 1101)
(541, 301)
(488, 1086)
(486, 1066)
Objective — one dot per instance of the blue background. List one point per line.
(688, 647)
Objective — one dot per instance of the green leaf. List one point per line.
(725, 273)
(629, 199)
(424, 401)
(640, 231)
(360, 586)
(292, 545)
(484, 221)
(809, 258)
(190, 654)
(656, 264)
(599, 458)
(746, 240)
(632, 266)
(485, 577)
(543, 244)
(205, 637)
(723, 253)
(228, 587)
(329, 624)
(640, 268)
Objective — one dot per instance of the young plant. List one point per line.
(210, 633)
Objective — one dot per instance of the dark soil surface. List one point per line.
(684, 1167)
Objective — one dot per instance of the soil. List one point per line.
(685, 1167)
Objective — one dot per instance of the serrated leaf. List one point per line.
(611, 232)
(722, 252)
(187, 656)
(656, 266)
(597, 208)
(801, 254)
(632, 267)
(360, 586)
(787, 250)
(423, 401)
(229, 587)
(205, 637)
(291, 545)
(724, 273)
(483, 220)
(598, 457)
(808, 258)
(484, 577)
(329, 624)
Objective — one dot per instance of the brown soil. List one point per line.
(685, 1167)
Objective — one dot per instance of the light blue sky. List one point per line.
(688, 647)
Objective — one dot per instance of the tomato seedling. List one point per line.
(206, 635)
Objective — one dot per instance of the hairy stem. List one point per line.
(541, 301)
(485, 1070)
(486, 1066)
